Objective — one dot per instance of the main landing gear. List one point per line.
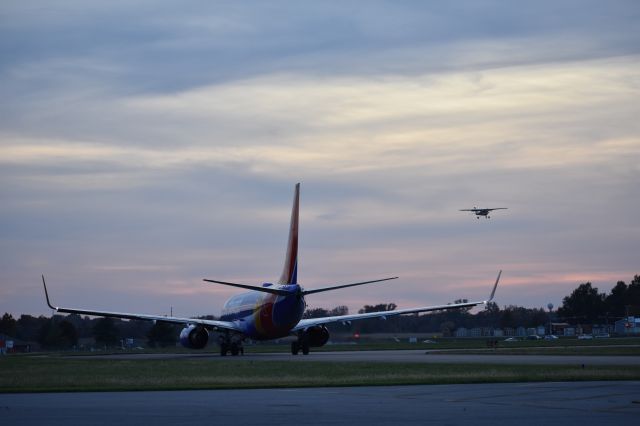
(315, 336)
(297, 346)
(228, 344)
(300, 344)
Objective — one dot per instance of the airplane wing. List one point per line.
(306, 323)
(212, 324)
(481, 210)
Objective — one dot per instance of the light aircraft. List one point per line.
(269, 311)
(483, 212)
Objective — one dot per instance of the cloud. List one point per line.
(272, 124)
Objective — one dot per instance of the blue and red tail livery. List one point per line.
(290, 269)
(267, 311)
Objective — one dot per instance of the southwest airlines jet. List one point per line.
(270, 311)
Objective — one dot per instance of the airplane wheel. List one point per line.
(234, 349)
(223, 350)
(305, 348)
(295, 347)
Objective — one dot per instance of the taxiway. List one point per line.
(566, 404)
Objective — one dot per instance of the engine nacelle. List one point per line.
(317, 336)
(194, 337)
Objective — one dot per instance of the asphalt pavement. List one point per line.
(566, 404)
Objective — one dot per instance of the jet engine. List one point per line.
(194, 337)
(317, 336)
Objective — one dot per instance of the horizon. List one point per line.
(353, 309)
(472, 311)
(144, 147)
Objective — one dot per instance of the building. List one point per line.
(475, 332)
(461, 332)
(564, 329)
(628, 326)
(601, 330)
(4, 342)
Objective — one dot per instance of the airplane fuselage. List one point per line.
(264, 316)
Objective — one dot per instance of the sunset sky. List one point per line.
(147, 145)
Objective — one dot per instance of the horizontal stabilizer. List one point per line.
(319, 290)
(252, 287)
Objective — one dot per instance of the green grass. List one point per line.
(563, 346)
(68, 374)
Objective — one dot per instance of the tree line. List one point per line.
(66, 332)
(585, 305)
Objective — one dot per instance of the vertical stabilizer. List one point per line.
(290, 270)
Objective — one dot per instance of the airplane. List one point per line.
(483, 212)
(270, 311)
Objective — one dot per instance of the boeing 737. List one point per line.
(483, 212)
(269, 311)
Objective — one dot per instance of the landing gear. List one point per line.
(227, 344)
(302, 343)
(235, 350)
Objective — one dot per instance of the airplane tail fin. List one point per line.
(290, 269)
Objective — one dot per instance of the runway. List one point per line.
(417, 356)
(578, 403)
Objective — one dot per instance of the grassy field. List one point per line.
(60, 372)
(568, 346)
(64, 374)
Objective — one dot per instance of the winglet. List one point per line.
(46, 294)
(495, 286)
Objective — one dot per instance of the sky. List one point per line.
(147, 145)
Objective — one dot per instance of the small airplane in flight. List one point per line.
(270, 311)
(483, 212)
